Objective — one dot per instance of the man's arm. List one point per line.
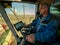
(31, 24)
(49, 32)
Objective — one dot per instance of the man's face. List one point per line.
(43, 9)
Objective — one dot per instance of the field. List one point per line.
(10, 39)
(27, 18)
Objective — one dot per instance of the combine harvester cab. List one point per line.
(13, 29)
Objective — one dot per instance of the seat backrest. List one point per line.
(58, 31)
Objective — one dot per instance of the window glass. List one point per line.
(21, 12)
(18, 12)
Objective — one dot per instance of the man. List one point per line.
(44, 27)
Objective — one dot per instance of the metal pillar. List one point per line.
(5, 17)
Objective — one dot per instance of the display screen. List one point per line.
(19, 25)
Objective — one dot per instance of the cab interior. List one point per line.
(16, 11)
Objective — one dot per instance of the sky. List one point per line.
(22, 9)
(27, 9)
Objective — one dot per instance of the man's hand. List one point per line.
(30, 38)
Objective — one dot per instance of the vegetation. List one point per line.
(3, 36)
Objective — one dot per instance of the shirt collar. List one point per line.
(48, 17)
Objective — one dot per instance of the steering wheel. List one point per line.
(25, 31)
